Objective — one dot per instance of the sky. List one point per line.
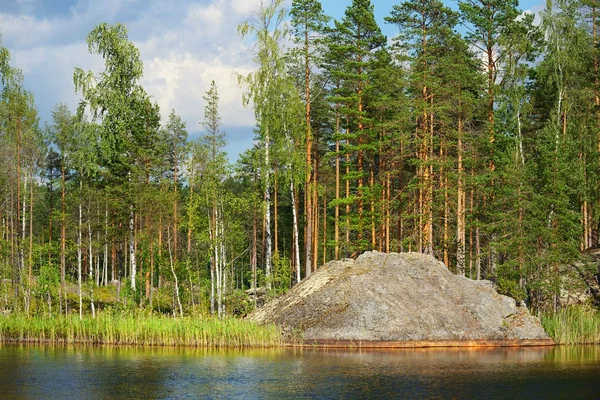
(184, 45)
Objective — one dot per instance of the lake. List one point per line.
(80, 372)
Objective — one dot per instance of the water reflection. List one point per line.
(41, 372)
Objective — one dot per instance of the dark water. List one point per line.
(38, 372)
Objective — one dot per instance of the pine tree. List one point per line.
(62, 135)
(309, 22)
(423, 25)
(489, 21)
(355, 40)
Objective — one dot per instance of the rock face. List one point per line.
(401, 298)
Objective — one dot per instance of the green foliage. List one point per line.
(46, 287)
(138, 328)
(282, 274)
(501, 120)
(239, 304)
(573, 325)
(129, 118)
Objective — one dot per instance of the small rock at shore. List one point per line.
(397, 297)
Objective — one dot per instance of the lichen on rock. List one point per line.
(398, 298)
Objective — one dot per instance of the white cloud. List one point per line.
(184, 46)
(245, 8)
(25, 30)
(207, 20)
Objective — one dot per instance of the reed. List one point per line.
(573, 325)
(138, 329)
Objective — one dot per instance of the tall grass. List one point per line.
(573, 325)
(138, 329)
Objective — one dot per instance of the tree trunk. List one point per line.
(275, 214)
(308, 206)
(337, 186)
(444, 183)
(175, 278)
(105, 264)
(213, 259)
(133, 264)
(347, 194)
(295, 227)
(268, 255)
(388, 188)
(189, 231)
(150, 286)
(460, 201)
(324, 229)
(79, 250)
(254, 258)
(29, 280)
(18, 242)
(372, 204)
(175, 177)
(160, 244)
(596, 99)
(315, 203)
(477, 254)
(223, 259)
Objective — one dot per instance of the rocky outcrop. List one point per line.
(398, 300)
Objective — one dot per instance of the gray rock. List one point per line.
(397, 297)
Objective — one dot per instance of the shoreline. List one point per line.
(576, 326)
(321, 344)
(421, 344)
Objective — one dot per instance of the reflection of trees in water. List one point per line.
(160, 372)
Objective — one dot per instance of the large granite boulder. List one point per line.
(399, 299)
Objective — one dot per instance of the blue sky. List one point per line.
(184, 45)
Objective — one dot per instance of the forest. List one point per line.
(473, 136)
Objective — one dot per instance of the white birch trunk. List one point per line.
(174, 275)
(132, 250)
(223, 261)
(21, 250)
(212, 266)
(295, 222)
(217, 262)
(79, 251)
(90, 253)
(105, 266)
(268, 251)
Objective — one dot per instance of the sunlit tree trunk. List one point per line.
(295, 227)
(174, 276)
(267, 211)
(337, 185)
(132, 258)
(275, 214)
(79, 249)
(29, 278)
(460, 201)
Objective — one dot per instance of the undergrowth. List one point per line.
(138, 329)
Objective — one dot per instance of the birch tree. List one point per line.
(269, 30)
(128, 117)
(215, 174)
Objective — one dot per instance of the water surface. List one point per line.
(76, 372)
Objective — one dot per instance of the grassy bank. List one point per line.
(138, 329)
(573, 325)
